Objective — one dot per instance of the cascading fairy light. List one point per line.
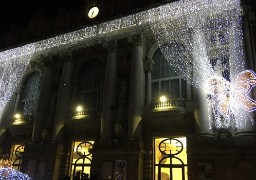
(211, 33)
(11, 71)
(193, 26)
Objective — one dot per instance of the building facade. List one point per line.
(160, 94)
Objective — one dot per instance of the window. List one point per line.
(89, 85)
(165, 81)
(170, 158)
(81, 159)
(30, 95)
(219, 38)
(16, 155)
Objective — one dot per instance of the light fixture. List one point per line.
(18, 119)
(93, 11)
(163, 99)
(79, 109)
(79, 112)
(17, 116)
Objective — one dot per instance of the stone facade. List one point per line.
(111, 78)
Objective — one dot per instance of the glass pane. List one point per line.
(165, 88)
(165, 174)
(155, 90)
(176, 174)
(30, 94)
(156, 68)
(173, 72)
(183, 154)
(89, 84)
(175, 89)
(183, 89)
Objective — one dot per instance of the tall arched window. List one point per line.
(170, 158)
(81, 159)
(30, 94)
(165, 81)
(89, 86)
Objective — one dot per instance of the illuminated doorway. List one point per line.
(16, 155)
(170, 158)
(81, 159)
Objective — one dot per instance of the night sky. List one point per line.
(19, 12)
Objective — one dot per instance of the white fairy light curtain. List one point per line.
(202, 39)
(212, 58)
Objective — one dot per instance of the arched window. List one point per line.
(16, 155)
(81, 159)
(30, 94)
(89, 86)
(165, 81)
(170, 158)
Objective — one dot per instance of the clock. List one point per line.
(93, 12)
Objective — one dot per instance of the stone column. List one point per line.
(148, 68)
(136, 96)
(202, 109)
(110, 90)
(64, 95)
(43, 100)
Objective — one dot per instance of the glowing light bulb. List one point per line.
(79, 108)
(17, 116)
(163, 99)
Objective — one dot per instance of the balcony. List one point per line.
(168, 105)
(164, 117)
(82, 113)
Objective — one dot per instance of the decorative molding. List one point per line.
(148, 64)
(110, 45)
(36, 66)
(66, 56)
(137, 40)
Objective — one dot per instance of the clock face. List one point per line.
(93, 12)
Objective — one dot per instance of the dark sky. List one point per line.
(19, 12)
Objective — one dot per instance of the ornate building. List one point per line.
(165, 93)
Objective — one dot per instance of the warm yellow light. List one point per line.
(163, 99)
(17, 116)
(93, 12)
(79, 108)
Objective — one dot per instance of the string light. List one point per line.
(202, 39)
(11, 174)
(8, 173)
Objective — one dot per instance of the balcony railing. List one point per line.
(168, 105)
(92, 113)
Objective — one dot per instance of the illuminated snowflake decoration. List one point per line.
(12, 174)
(202, 39)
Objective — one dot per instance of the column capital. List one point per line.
(36, 65)
(66, 56)
(110, 45)
(46, 60)
(148, 63)
(137, 40)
